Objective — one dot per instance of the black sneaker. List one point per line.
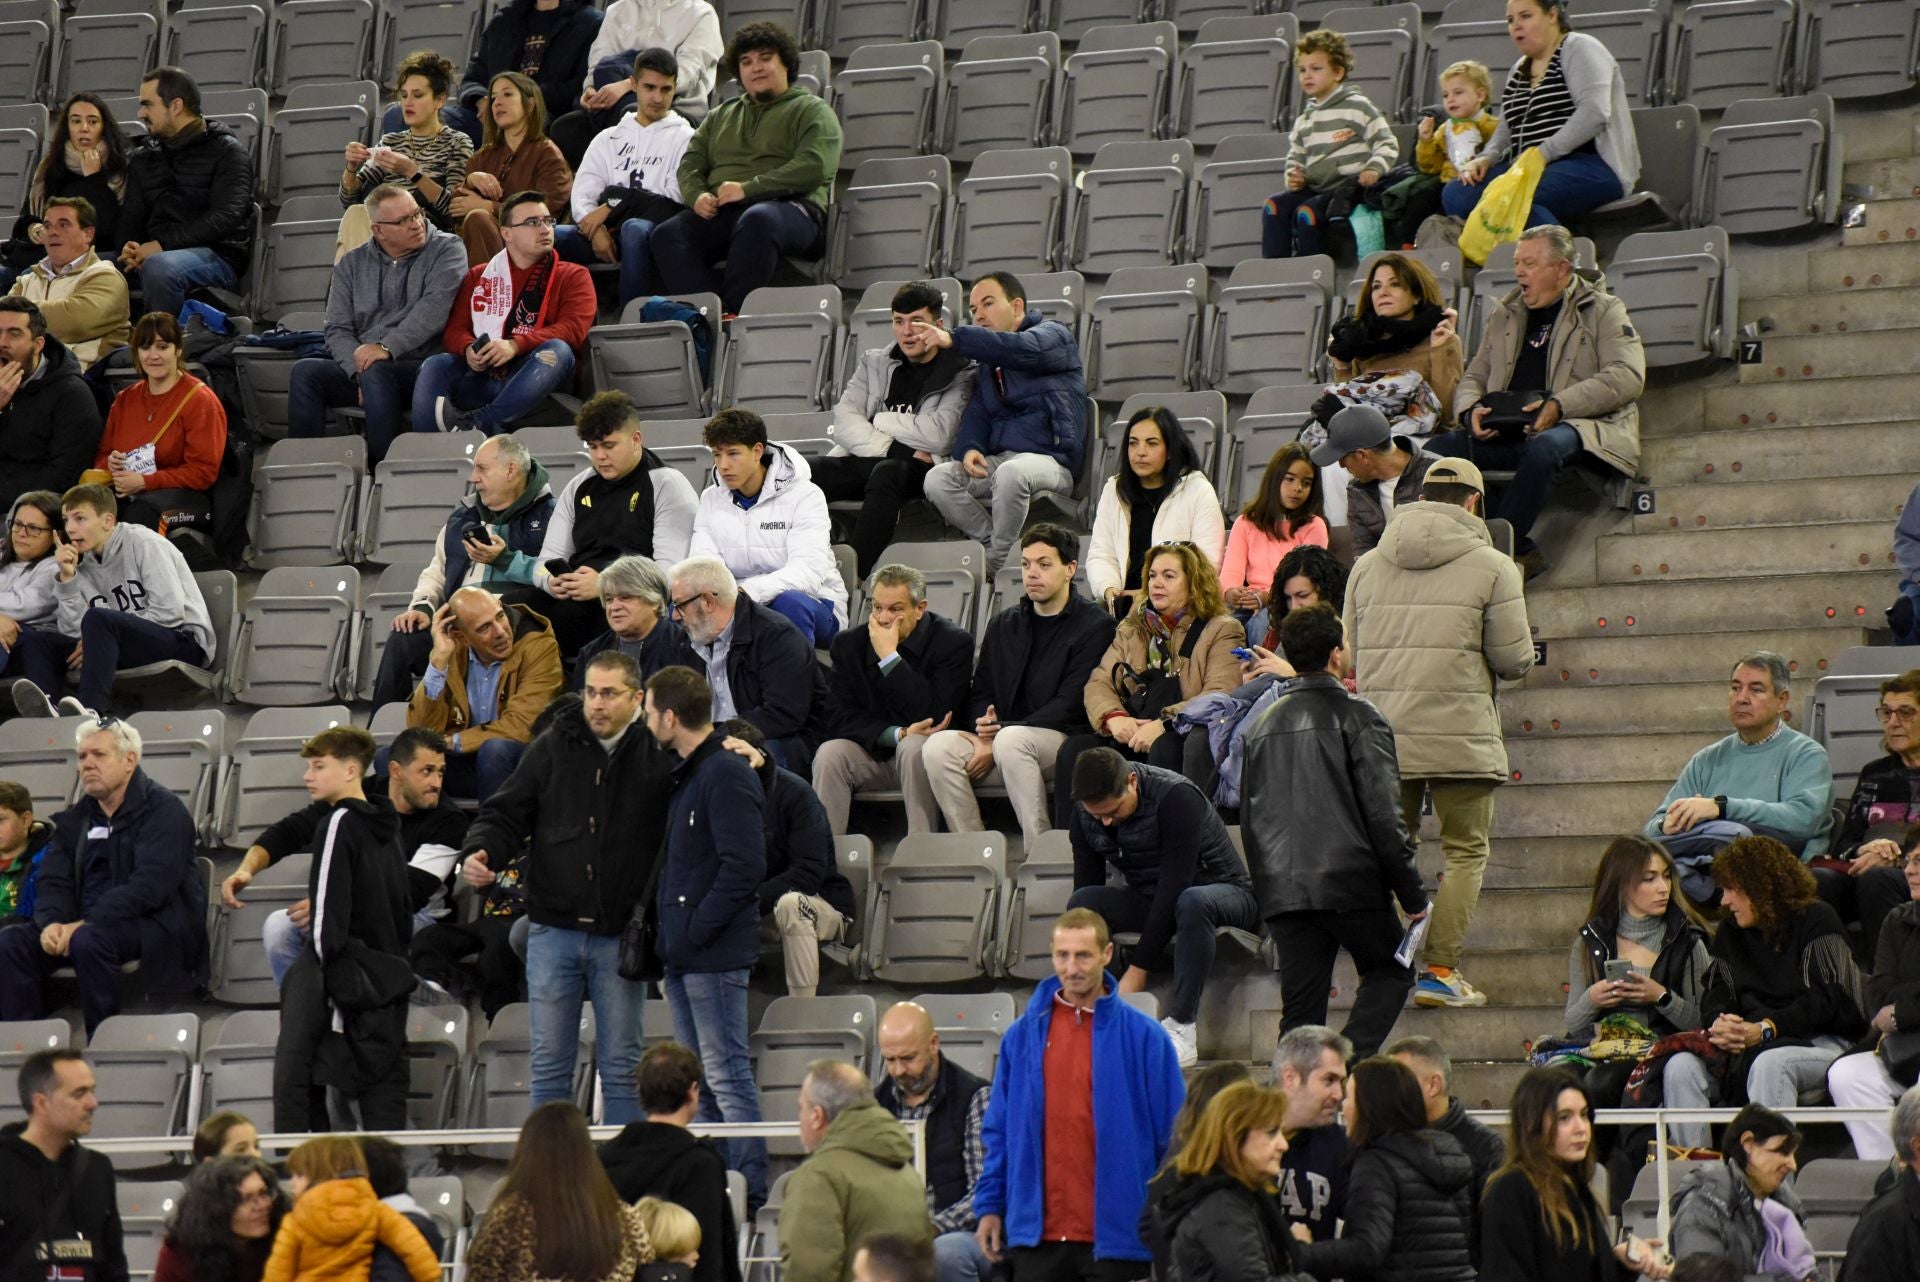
(29, 700)
(450, 417)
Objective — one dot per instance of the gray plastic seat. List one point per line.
(794, 1032)
(853, 855)
(1468, 31)
(1202, 415)
(1076, 20)
(296, 265)
(1273, 417)
(1062, 297)
(935, 908)
(500, 1084)
(106, 53)
(656, 363)
(1386, 45)
(871, 323)
(1118, 86)
(26, 59)
(559, 451)
(241, 975)
(389, 719)
(1669, 143)
(423, 475)
(20, 1038)
(1245, 169)
(782, 350)
(842, 27)
(380, 604)
(449, 25)
(311, 127)
(1000, 95)
(959, 22)
(436, 1050)
(146, 1208)
(38, 754)
(955, 574)
(791, 14)
(221, 47)
(237, 1070)
(1192, 16)
(970, 1026)
(1635, 33)
(1147, 330)
(1682, 291)
(306, 493)
(245, 112)
(1772, 164)
(1036, 896)
(1840, 719)
(144, 1067)
(265, 784)
(185, 752)
(887, 224)
(1860, 48)
(887, 98)
(1727, 50)
(1132, 207)
(220, 591)
(1237, 77)
(323, 42)
(297, 637)
(1271, 325)
(19, 157)
(264, 373)
(1010, 212)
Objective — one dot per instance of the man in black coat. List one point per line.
(188, 215)
(1886, 1240)
(117, 884)
(546, 39)
(895, 683)
(58, 1213)
(49, 421)
(1325, 841)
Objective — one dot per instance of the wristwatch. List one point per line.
(1720, 804)
(1768, 1031)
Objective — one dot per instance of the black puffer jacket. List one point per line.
(1409, 1215)
(50, 430)
(1338, 844)
(193, 190)
(1886, 1241)
(1219, 1230)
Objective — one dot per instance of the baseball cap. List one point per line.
(1357, 427)
(1456, 471)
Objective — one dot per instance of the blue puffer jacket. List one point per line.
(708, 903)
(1137, 1089)
(1029, 392)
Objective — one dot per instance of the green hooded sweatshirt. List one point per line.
(791, 145)
(860, 1181)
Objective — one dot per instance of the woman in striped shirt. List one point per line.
(427, 156)
(1566, 97)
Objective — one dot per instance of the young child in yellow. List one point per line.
(1443, 147)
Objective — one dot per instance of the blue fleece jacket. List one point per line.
(1137, 1089)
(1029, 392)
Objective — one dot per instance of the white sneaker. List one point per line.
(72, 707)
(29, 700)
(1186, 1041)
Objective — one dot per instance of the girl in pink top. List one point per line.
(1285, 513)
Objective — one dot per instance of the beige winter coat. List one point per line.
(1433, 615)
(1596, 367)
(1212, 669)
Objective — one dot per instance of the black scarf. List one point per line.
(533, 296)
(1357, 340)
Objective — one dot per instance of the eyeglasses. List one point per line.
(21, 527)
(417, 216)
(680, 607)
(544, 224)
(1902, 713)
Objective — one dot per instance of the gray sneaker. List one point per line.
(29, 700)
(72, 707)
(450, 417)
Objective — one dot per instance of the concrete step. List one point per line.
(1888, 221)
(1680, 657)
(1483, 1083)
(1808, 403)
(1645, 607)
(1872, 353)
(1862, 496)
(1485, 1034)
(1891, 177)
(1529, 863)
(1740, 456)
(1589, 760)
(1520, 977)
(1575, 810)
(1834, 548)
(1695, 708)
(1857, 311)
(1868, 267)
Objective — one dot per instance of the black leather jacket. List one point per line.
(1321, 812)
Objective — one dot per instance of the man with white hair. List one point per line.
(633, 596)
(858, 1179)
(117, 885)
(760, 665)
(1886, 1239)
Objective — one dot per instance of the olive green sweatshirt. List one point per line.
(791, 144)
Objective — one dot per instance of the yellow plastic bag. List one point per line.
(1501, 215)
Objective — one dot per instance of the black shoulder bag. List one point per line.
(640, 960)
(1148, 695)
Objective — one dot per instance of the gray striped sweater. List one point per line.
(1338, 139)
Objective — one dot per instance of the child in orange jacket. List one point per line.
(337, 1221)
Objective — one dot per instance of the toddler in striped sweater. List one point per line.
(1338, 138)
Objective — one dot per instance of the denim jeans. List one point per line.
(812, 615)
(1533, 462)
(1198, 912)
(563, 968)
(710, 1019)
(992, 509)
(530, 378)
(170, 275)
(1570, 186)
(1294, 223)
(113, 639)
(1775, 1078)
(284, 941)
(384, 389)
(751, 238)
(632, 240)
(957, 1257)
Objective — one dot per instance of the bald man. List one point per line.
(922, 1084)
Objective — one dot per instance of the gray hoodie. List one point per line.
(141, 573)
(401, 303)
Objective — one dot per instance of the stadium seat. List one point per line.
(935, 907)
(656, 363)
(241, 975)
(791, 14)
(887, 224)
(306, 493)
(1037, 894)
(960, 22)
(1860, 48)
(1237, 77)
(19, 157)
(443, 1198)
(436, 1048)
(1010, 212)
(1076, 20)
(1669, 143)
(176, 677)
(263, 374)
(1640, 1213)
(1468, 31)
(1118, 86)
(1840, 718)
(380, 604)
(781, 354)
(853, 855)
(1727, 50)
(1387, 49)
(1192, 16)
(871, 324)
(297, 637)
(1245, 169)
(146, 1208)
(321, 42)
(1203, 415)
(1772, 164)
(185, 752)
(887, 97)
(452, 26)
(19, 1039)
(1834, 1191)
(38, 754)
(1274, 416)
(794, 1032)
(842, 27)
(1682, 291)
(315, 122)
(237, 1070)
(970, 1026)
(106, 53)
(1062, 297)
(144, 1066)
(1132, 207)
(1313, 13)
(389, 719)
(244, 110)
(297, 266)
(559, 451)
(1496, 278)
(1146, 331)
(1000, 95)
(1146, 1003)
(26, 53)
(265, 784)
(423, 475)
(955, 574)
(1635, 33)
(500, 1082)
(1271, 326)
(221, 47)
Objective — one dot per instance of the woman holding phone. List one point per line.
(166, 435)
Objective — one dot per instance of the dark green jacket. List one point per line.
(790, 145)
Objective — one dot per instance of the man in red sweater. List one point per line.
(517, 326)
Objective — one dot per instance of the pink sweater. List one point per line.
(1253, 554)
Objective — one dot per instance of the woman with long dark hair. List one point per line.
(1539, 1218)
(556, 1215)
(86, 156)
(1220, 1215)
(223, 1226)
(1158, 494)
(516, 156)
(1287, 511)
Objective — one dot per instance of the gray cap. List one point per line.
(1357, 427)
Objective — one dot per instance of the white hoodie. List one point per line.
(690, 28)
(783, 543)
(631, 154)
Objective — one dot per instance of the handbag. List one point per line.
(1900, 1052)
(1507, 413)
(640, 961)
(1147, 695)
(1501, 215)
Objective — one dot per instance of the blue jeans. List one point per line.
(710, 1019)
(632, 238)
(563, 967)
(170, 275)
(284, 941)
(957, 1257)
(318, 384)
(1294, 223)
(455, 115)
(530, 378)
(112, 639)
(1569, 187)
(1198, 912)
(751, 238)
(812, 615)
(477, 774)
(1533, 462)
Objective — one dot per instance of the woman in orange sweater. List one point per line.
(336, 1220)
(167, 433)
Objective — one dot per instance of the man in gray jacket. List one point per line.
(125, 598)
(386, 310)
(894, 422)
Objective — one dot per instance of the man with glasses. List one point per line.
(1765, 779)
(82, 295)
(518, 326)
(386, 310)
(1872, 839)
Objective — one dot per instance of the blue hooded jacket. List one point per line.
(1029, 392)
(1137, 1089)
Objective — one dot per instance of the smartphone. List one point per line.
(479, 341)
(1243, 654)
(558, 565)
(1619, 968)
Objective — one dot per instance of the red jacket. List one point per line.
(566, 313)
(188, 456)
